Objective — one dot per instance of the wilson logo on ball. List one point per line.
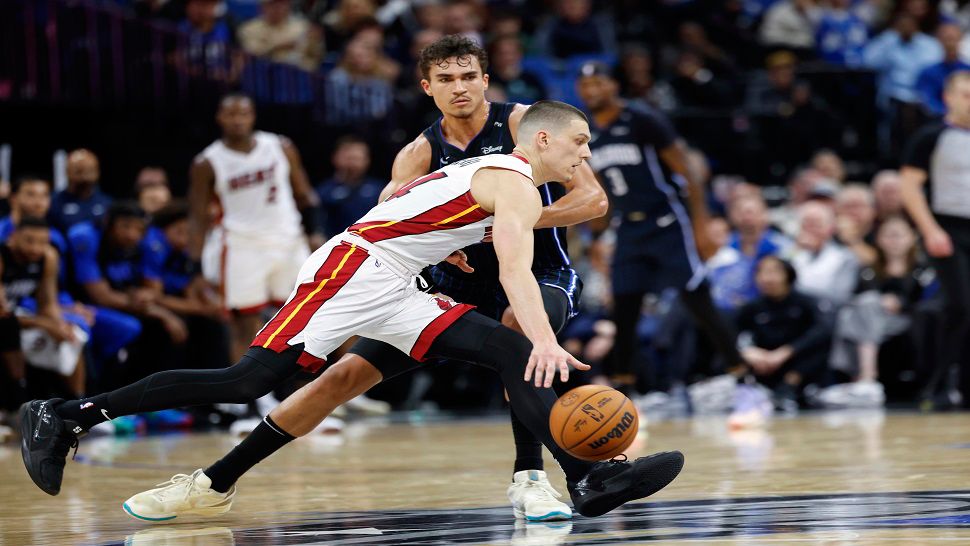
(617, 431)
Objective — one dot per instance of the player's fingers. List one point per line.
(577, 364)
(563, 372)
(530, 367)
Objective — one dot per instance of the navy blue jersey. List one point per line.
(625, 155)
(495, 138)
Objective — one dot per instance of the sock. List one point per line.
(528, 448)
(266, 439)
(87, 412)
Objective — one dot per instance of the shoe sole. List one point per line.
(651, 478)
(551, 516)
(209, 512)
(27, 434)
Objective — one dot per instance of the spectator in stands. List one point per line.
(371, 33)
(349, 193)
(930, 82)
(731, 270)
(696, 86)
(790, 24)
(886, 294)
(826, 269)
(430, 14)
(898, 55)
(776, 96)
(208, 51)
(416, 111)
(151, 187)
(82, 200)
(463, 17)
(693, 37)
(800, 186)
(30, 266)
(637, 81)
(508, 22)
(508, 81)
(886, 192)
(840, 35)
(575, 30)
(855, 210)
(926, 13)
(342, 22)
(829, 163)
(783, 334)
(282, 36)
(357, 91)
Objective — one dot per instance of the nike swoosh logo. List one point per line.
(105, 415)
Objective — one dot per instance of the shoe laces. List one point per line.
(64, 443)
(546, 488)
(183, 484)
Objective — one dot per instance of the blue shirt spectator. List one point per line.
(731, 270)
(840, 35)
(209, 39)
(96, 257)
(350, 193)
(899, 54)
(575, 30)
(930, 82)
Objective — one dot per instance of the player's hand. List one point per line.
(706, 247)
(938, 243)
(63, 331)
(546, 359)
(460, 260)
(176, 328)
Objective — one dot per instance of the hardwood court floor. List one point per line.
(834, 478)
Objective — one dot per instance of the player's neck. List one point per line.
(462, 131)
(538, 170)
(240, 144)
(608, 114)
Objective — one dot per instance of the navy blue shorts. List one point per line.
(649, 259)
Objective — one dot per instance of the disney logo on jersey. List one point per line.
(491, 149)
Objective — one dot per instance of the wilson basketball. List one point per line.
(594, 422)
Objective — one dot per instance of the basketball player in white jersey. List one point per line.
(259, 244)
(362, 282)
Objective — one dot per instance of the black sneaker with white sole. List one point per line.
(610, 484)
(46, 440)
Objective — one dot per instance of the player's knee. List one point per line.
(507, 348)
(347, 378)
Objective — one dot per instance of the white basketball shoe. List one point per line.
(534, 499)
(182, 495)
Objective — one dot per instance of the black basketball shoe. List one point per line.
(611, 483)
(46, 440)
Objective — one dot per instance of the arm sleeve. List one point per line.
(83, 239)
(919, 149)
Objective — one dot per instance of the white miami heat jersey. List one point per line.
(254, 189)
(431, 217)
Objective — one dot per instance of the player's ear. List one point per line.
(484, 81)
(542, 139)
(426, 85)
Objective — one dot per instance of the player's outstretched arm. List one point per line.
(676, 158)
(516, 207)
(585, 200)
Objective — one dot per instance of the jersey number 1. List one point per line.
(617, 182)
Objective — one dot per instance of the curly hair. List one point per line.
(453, 45)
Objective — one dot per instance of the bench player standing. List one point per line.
(643, 163)
(454, 70)
(261, 185)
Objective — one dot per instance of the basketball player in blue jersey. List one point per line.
(454, 70)
(661, 241)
